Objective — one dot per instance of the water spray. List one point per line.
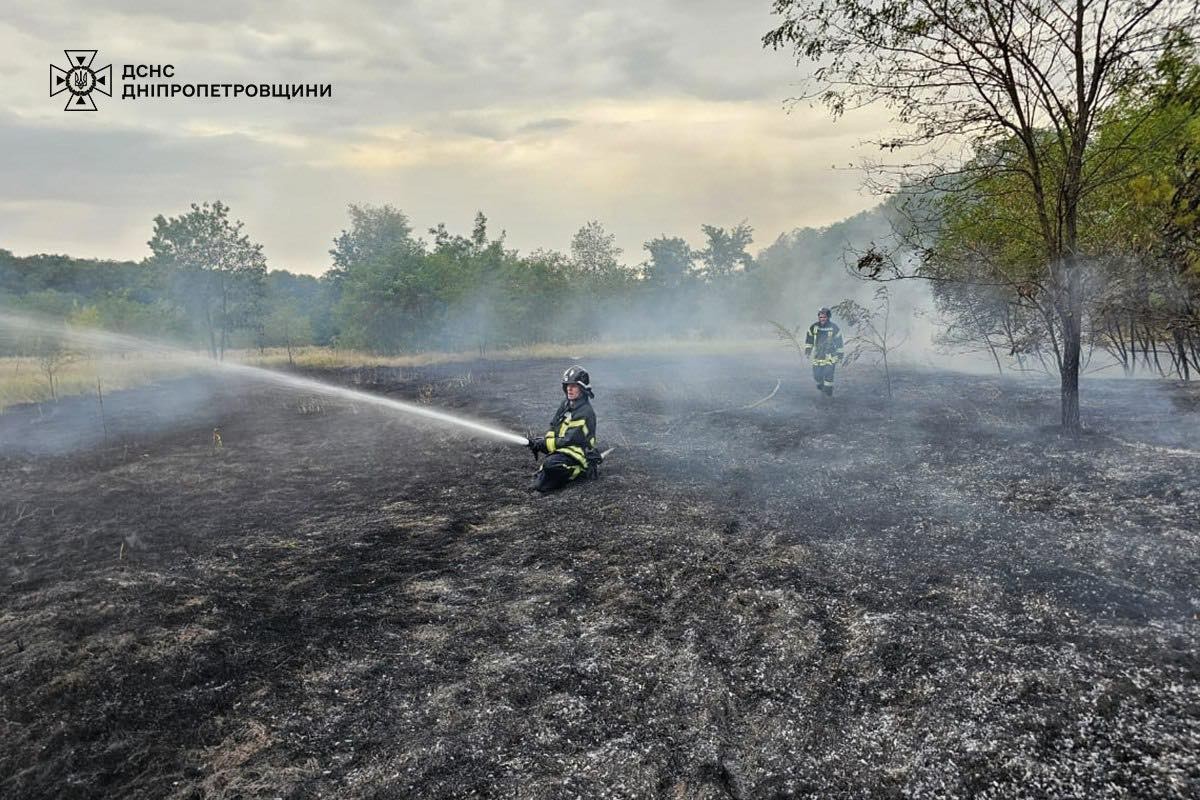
(115, 341)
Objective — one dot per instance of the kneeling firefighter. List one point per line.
(571, 441)
(823, 344)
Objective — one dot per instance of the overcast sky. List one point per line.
(651, 116)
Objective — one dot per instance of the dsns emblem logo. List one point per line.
(80, 80)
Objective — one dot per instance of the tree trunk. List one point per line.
(1133, 346)
(1152, 338)
(100, 400)
(887, 374)
(1070, 313)
(995, 356)
(1195, 350)
(1117, 337)
(224, 319)
(212, 336)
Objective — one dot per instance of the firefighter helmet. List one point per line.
(826, 311)
(578, 376)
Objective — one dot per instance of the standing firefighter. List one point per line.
(571, 441)
(823, 343)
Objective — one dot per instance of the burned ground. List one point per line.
(937, 597)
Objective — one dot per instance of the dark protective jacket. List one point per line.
(824, 344)
(573, 431)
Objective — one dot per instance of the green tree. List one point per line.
(594, 250)
(806, 267)
(483, 289)
(538, 284)
(119, 313)
(1148, 223)
(725, 251)
(1024, 80)
(84, 277)
(988, 284)
(307, 296)
(379, 273)
(1139, 289)
(216, 271)
(286, 326)
(377, 233)
(671, 263)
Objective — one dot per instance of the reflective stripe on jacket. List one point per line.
(824, 343)
(573, 430)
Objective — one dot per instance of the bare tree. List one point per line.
(51, 356)
(873, 331)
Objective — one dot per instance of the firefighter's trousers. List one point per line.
(823, 375)
(556, 471)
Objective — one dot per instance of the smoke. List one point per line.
(102, 340)
(80, 423)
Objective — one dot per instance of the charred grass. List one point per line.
(940, 597)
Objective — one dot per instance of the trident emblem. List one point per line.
(80, 80)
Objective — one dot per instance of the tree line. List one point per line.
(391, 290)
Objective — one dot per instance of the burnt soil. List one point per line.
(936, 597)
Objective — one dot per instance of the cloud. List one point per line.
(641, 168)
(548, 124)
(102, 164)
(93, 191)
(652, 117)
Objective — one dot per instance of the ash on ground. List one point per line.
(936, 597)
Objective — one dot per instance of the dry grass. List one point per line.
(326, 357)
(23, 380)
